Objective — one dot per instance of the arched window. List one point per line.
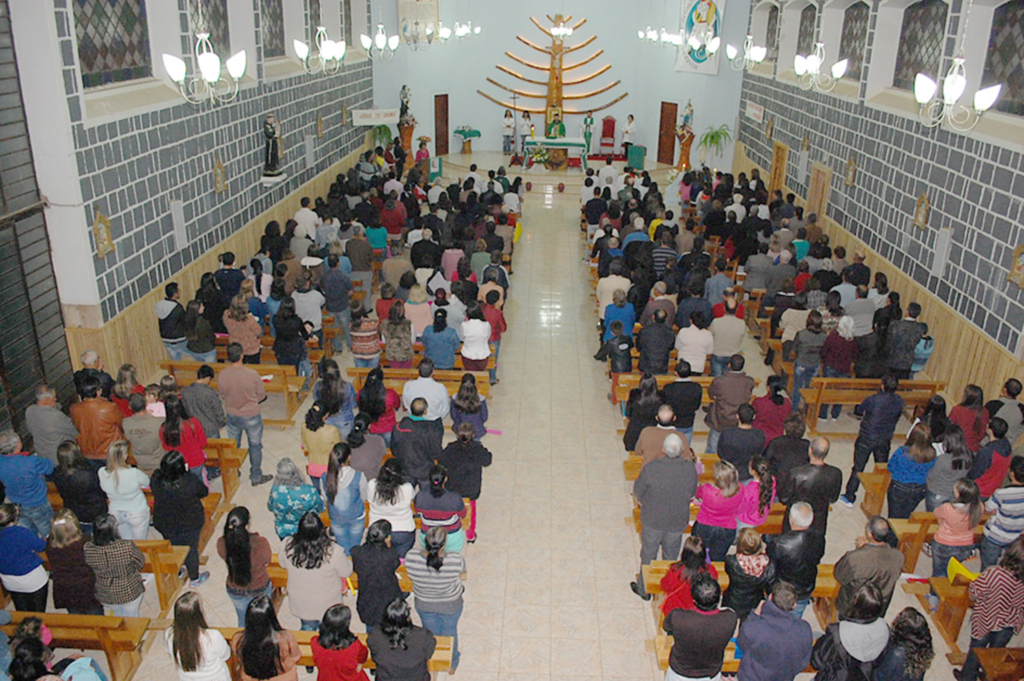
(113, 41)
(273, 28)
(921, 42)
(805, 35)
(855, 35)
(771, 37)
(212, 16)
(1005, 61)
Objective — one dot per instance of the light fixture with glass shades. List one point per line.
(561, 30)
(809, 70)
(704, 39)
(209, 85)
(381, 45)
(462, 30)
(327, 58)
(751, 57)
(418, 36)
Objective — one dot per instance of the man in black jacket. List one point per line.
(416, 443)
(796, 554)
(171, 316)
(816, 483)
(902, 339)
(655, 342)
(879, 414)
(684, 396)
(619, 347)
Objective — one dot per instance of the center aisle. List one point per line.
(548, 584)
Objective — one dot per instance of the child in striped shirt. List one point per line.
(1007, 523)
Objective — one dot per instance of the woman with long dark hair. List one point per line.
(440, 507)
(390, 498)
(465, 460)
(909, 466)
(183, 434)
(771, 409)
(344, 488)
(909, 653)
(316, 570)
(642, 409)
(74, 585)
(125, 386)
(178, 510)
(273, 242)
(199, 652)
(368, 450)
(379, 402)
(117, 564)
(278, 292)
(375, 562)
(290, 341)
(972, 417)
(79, 484)
(954, 535)
(337, 653)
(399, 649)
(934, 416)
(364, 334)
(265, 651)
(440, 341)
(199, 332)
(469, 406)
(21, 570)
(318, 438)
(247, 555)
(955, 463)
(759, 494)
(337, 396)
(676, 582)
(291, 497)
(261, 280)
(398, 337)
(437, 573)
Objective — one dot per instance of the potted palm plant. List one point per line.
(714, 139)
(382, 135)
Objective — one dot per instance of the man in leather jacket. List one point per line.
(816, 483)
(796, 554)
(618, 347)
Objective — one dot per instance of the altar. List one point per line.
(557, 150)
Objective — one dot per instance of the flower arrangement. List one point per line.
(540, 155)
(423, 138)
(672, 175)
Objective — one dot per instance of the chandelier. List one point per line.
(328, 56)
(463, 30)
(751, 57)
(704, 38)
(418, 37)
(808, 70)
(381, 45)
(561, 31)
(209, 85)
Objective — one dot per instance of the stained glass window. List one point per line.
(771, 38)
(113, 41)
(315, 19)
(805, 37)
(855, 35)
(1005, 61)
(921, 41)
(273, 29)
(212, 16)
(346, 22)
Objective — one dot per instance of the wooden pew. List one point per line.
(397, 378)
(730, 664)
(267, 355)
(441, 661)
(120, 638)
(418, 357)
(623, 383)
(224, 453)
(954, 602)
(1002, 664)
(853, 391)
(284, 381)
(920, 529)
(279, 579)
(876, 487)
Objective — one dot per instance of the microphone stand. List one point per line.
(516, 160)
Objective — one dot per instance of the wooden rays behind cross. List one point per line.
(554, 97)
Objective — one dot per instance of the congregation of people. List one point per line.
(375, 463)
(688, 289)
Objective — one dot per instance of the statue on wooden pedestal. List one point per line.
(271, 157)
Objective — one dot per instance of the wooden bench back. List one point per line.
(397, 378)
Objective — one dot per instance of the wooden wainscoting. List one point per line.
(964, 353)
(134, 337)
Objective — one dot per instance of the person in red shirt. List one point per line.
(803, 273)
(496, 318)
(393, 217)
(183, 434)
(676, 582)
(126, 386)
(337, 653)
(971, 416)
(730, 295)
(379, 402)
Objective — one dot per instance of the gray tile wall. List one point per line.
(132, 168)
(975, 188)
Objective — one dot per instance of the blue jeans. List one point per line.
(837, 409)
(348, 534)
(36, 518)
(802, 375)
(241, 603)
(991, 552)
(494, 371)
(993, 639)
(402, 542)
(253, 427)
(718, 365)
(712, 446)
(443, 624)
(941, 553)
(129, 609)
(204, 357)
(176, 350)
(688, 432)
(864, 449)
(342, 322)
(904, 498)
(367, 363)
(717, 540)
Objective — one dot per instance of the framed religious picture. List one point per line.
(320, 127)
(220, 177)
(1017, 268)
(769, 129)
(851, 172)
(921, 211)
(101, 235)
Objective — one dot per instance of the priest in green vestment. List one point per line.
(556, 128)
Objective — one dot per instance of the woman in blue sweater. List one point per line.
(909, 467)
(21, 569)
(469, 406)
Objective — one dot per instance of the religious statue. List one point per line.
(271, 134)
(688, 115)
(556, 128)
(684, 133)
(588, 129)
(406, 121)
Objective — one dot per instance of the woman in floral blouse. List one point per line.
(290, 498)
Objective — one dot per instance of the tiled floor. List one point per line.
(547, 594)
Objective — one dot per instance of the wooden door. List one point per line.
(819, 190)
(780, 156)
(667, 133)
(440, 125)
